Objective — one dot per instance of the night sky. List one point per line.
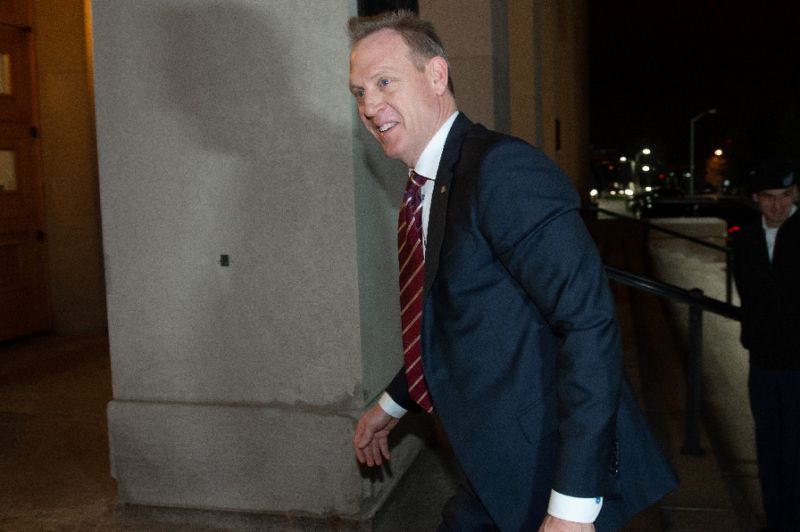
(655, 65)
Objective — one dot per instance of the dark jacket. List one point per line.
(521, 349)
(769, 293)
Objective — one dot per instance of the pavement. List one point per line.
(54, 450)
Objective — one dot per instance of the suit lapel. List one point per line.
(441, 194)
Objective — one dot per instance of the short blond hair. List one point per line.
(418, 34)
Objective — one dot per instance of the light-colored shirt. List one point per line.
(427, 166)
(577, 509)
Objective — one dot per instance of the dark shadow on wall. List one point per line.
(228, 81)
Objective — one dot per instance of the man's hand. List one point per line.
(554, 524)
(371, 438)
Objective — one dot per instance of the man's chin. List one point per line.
(391, 151)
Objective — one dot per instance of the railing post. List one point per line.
(728, 276)
(691, 444)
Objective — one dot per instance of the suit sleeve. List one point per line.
(527, 211)
(743, 246)
(398, 391)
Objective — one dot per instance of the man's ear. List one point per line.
(438, 73)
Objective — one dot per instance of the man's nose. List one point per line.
(372, 103)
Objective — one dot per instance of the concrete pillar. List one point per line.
(548, 81)
(571, 77)
(475, 36)
(248, 227)
(69, 166)
(519, 67)
(524, 94)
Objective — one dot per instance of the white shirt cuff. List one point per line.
(390, 407)
(575, 509)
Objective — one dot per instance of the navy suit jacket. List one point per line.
(521, 349)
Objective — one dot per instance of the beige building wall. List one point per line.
(548, 81)
(69, 166)
(571, 76)
(467, 30)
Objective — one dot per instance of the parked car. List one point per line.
(668, 202)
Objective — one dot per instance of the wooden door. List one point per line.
(24, 300)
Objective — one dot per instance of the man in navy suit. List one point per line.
(520, 346)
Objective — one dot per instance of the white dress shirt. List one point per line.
(577, 509)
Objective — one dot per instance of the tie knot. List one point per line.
(417, 180)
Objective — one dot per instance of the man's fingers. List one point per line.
(369, 455)
(372, 453)
(362, 438)
(370, 438)
(383, 443)
(376, 452)
(360, 456)
(362, 442)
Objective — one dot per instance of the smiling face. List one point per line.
(401, 105)
(776, 204)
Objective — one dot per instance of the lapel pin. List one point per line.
(443, 189)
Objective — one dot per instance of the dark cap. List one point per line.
(777, 172)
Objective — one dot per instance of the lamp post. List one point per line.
(691, 146)
(635, 163)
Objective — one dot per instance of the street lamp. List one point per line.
(635, 163)
(691, 146)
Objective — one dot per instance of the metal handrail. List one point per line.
(675, 293)
(725, 249)
(696, 240)
(697, 304)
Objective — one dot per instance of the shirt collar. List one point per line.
(428, 163)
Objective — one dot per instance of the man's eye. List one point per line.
(358, 93)
(384, 82)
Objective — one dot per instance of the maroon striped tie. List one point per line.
(412, 280)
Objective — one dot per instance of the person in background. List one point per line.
(509, 328)
(766, 260)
